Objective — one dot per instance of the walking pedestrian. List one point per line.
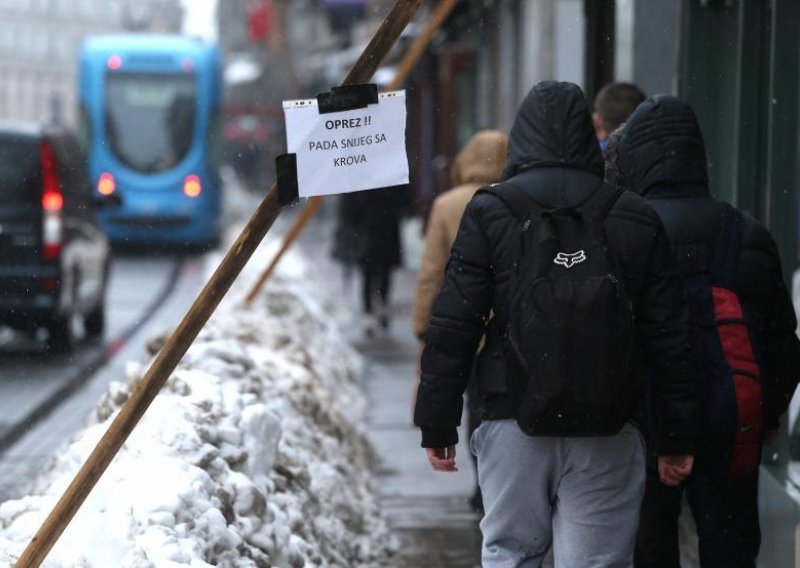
(367, 238)
(743, 326)
(479, 163)
(559, 459)
(613, 104)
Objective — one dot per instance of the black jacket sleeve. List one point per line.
(664, 335)
(781, 348)
(457, 324)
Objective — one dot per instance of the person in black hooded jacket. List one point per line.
(661, 156)
(582, 495)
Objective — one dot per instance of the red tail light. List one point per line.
(52, 201)
(106, 184)
(192, 186)
(52, 205)
(51, 252)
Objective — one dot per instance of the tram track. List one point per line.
(89, 364)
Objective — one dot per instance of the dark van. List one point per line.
(54, 258)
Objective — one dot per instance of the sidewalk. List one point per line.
(429, 510)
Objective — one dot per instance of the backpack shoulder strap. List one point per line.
(601, 201)
(518, 202)
(524, 207)
(725, 259)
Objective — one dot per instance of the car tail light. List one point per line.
(52, 201)
(192, 186)
(106, 185)
(52, 205)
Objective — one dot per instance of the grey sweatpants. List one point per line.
(582, 495)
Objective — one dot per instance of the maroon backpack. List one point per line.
(726, 348)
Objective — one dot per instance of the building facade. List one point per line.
(40, 41)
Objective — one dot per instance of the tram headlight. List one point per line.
(106, 184)
(192, 186)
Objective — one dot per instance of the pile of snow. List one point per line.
(252, 455)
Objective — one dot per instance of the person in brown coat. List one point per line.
(480, 163)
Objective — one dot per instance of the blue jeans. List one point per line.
(582, 495)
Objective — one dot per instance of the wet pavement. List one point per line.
(429, 510)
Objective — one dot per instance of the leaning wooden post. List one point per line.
(415, 52)
(194, 320)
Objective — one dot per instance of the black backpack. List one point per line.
(570, 332)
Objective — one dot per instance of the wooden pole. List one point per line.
(176, 346)
(421, 43)
(412, 57)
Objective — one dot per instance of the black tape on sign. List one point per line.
(286, 169)
(349, 97)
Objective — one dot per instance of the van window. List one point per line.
(20, 178)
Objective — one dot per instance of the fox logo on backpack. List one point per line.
(569, 260)
(569, 336)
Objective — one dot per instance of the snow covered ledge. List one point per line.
(252, 455)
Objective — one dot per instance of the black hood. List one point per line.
(662, 150)
(553, 128)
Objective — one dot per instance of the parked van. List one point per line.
(54, 258)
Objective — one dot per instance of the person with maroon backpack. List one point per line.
(743, 331)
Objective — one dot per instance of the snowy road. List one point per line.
(44, 399)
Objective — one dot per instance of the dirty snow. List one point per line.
(252, 455)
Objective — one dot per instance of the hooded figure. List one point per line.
(661, 156)
(583, 494)
(480, 163)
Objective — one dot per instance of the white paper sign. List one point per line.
(340, 152)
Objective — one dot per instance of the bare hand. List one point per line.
(442, 459)
(672, 470)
